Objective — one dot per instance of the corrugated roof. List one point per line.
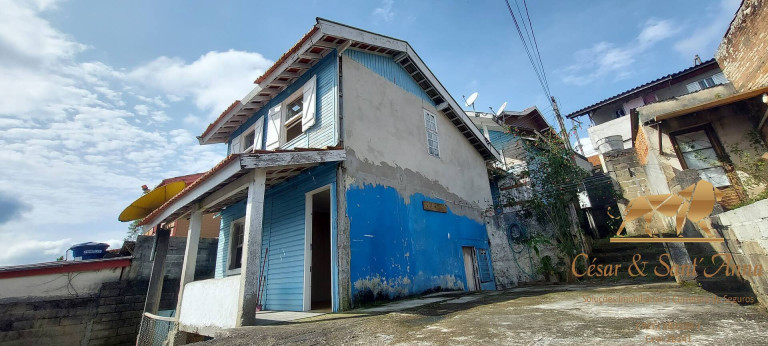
(704, 65)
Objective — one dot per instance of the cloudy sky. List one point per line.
(100, 97)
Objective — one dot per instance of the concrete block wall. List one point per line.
(110, 317)
(746, 232)
(743, 53)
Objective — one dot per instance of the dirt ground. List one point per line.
(660, 313)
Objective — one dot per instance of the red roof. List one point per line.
(188, 179)
(46, 268)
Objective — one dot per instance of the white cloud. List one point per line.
(708, 32)
(78, 139)
(384, 11)
(608, 60)
(213, 81)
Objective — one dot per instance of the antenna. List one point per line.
(501, 109)
(470, 102)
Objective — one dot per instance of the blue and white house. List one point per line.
(352, 175)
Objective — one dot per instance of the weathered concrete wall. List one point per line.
(515, 262)
(681, 87)
(746, 232)
(141, 266)
(388, 173)
(616, 127)
(743, 53)
(385, 136)
(210, 305)
(110, 317)
(58, 285)
(628, 173)
(77, 308)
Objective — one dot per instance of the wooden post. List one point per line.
(190, 254)
(250, 271)
(158, 272)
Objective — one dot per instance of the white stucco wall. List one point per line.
(210, 305)
(85, 283)
(384, 126)
(616, 127)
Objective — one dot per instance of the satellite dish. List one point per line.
(501, 109)
(471, 100)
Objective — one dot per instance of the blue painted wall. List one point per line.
(399, 249)
(283, 233)
(323, 133)
(386, 67)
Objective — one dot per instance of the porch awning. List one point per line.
(227, 182)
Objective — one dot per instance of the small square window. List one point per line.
(248, 141)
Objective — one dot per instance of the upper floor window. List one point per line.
(249, 140)
(292, 119)
(708, 82)
(433, 143)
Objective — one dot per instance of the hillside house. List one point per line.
(352, 175)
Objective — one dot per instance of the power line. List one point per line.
(527, 50)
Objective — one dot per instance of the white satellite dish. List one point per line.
(470, 102)
(501, 109)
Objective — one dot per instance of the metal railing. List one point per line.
(155, 330)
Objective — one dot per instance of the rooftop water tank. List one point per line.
(88, 251)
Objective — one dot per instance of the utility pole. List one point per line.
(578, 140)
(566, 138)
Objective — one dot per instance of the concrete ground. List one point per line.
(538, 315)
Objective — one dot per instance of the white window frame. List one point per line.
(251, 130)
(297, 95)
(435, 132)
(231, 246)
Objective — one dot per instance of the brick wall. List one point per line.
(641, 147)
(743, 53)
(746, 232)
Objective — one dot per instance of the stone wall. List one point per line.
(110, 316)
(629, 175)
(746, 232)
(743, 53)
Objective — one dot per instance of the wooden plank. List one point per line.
(158, 272)
(432, 206)
(290, 158)
(250, 270)
(227, 191)
(190, 255)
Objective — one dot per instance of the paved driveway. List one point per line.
(540, 315)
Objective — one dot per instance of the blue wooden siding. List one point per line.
(500, 139)
(399, 249)
(323, 133)
(386, 67)
(283, 233)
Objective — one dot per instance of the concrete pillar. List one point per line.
(250, 270)
(190, 254)
(158, 272)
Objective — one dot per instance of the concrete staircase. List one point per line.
(622, 253)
